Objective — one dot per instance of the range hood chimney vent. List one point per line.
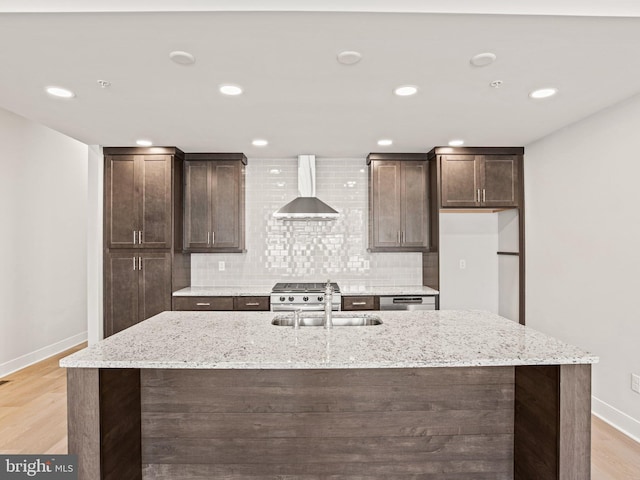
(307, 206)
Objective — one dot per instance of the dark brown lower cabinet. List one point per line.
(137, 286)
(360, 302)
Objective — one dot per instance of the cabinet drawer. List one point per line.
(251, 303)
(202, 303)
(360, 303)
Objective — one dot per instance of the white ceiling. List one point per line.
(296, 95)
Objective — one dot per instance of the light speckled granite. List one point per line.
(247, 340)
(248, 291)
(260, 291)
(355, 289)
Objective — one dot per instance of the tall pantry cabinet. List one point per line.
(143, 259)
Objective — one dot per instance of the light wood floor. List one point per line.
(33, 419)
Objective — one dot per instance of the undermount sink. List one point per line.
(339, 320)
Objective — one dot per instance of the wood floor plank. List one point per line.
(33, 408)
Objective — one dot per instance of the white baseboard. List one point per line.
(41, 354)
(617, 419)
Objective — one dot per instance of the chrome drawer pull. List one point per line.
(359, 303)
(252, 304)
(199, 304)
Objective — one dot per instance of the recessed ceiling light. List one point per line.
(259, 142)
(496, 84)
(230, 89)
(406, 90)
(60, 92)
(182, 58)
(144, 143)
(543, 93)
(456, 143)
(483, 59)
(349, 57)
(385, 142)
(104, 83)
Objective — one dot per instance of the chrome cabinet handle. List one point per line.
(484, 194)
(139, 237)
(478, 195)
(134, 263)
(208, 237)
(399, 237)
(359, 303)
(134, 237)
(203, 304)
(213, 238)
(252, 304)
(139, 263)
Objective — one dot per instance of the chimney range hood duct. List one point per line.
(307, 206)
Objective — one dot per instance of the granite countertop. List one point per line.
(239, 291)
(264, 291)
(247, 340)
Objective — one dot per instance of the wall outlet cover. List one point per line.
(635, 383)
(221, 266)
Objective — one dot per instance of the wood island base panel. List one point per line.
(493, 423)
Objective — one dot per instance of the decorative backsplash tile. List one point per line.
(280, 250)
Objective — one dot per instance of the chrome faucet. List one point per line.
(328, 305)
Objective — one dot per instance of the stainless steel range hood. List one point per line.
(307, 206)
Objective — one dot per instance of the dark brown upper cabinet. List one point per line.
(214, 208)
(137, 286)
(480, 177)
(138, 198)
(398, 202)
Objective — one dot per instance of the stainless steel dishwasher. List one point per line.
(409, 302)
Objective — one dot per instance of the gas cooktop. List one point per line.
(303, 287)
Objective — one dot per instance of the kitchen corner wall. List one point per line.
(280, 250)
(583, 233)
(43, 249)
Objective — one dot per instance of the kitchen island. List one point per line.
(430, 395)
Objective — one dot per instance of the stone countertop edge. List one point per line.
(264, 291)
(247, 340)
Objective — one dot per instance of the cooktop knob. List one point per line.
(306, 299)
(282, 299)
(291, 299)
(320, 299)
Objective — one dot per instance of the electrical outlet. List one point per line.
(221, 266)
(463, 264)
(635, 383)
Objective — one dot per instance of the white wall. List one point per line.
(582, 188)
(95, 203)
(472, 237)
(43, 215)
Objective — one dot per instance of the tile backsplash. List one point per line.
(281, 250)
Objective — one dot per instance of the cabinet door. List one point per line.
(414, 206)
(197, 205)
(121, 202)
(120, 292)
(499, 178)
(154, 289)
(386, 220)
(460, 180)
(154, 187)
(225, 205)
